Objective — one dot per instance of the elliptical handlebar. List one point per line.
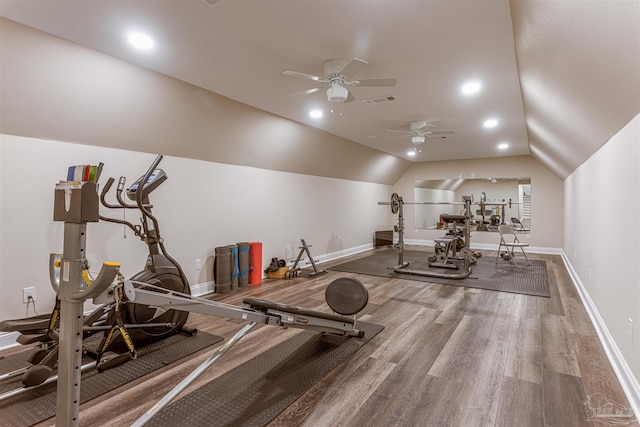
(103, 194)
(119, 189)
(139, 191)
(146, 213)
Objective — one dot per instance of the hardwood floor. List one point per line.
(448, 356)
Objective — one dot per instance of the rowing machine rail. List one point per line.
(254, 311)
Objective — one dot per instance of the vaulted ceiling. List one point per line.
(559, 77)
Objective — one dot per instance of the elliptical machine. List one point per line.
(140, 323)
(161, 272)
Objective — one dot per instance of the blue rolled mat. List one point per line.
(243, 264)
(234, 270)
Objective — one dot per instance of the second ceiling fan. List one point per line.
(339, 73)
(419, 131)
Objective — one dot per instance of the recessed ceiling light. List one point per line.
(503, 146)
(316, 114)
(471, 88)
(411, 153)
(491, 123)
(140, 41)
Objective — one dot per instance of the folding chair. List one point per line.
(518, 226)
(510, 244)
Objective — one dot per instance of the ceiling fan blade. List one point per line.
(307, 92)
(398, 137)
(304, 76)
(443, 132)
(350, 97)
(375, 82)
(400, 131)
(353, 67)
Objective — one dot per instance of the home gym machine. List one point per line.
(451, 243)
(124, 325)
(345, 296)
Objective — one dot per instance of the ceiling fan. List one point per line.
(419, 132)
(338, 73)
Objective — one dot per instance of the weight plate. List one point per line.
(395, 203)
(346, 296)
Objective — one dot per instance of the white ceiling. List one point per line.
(562, 78)
(240, 48)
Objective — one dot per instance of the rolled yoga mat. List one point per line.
(222, 270)
(243, 264)
(255, 268)
(234, 267)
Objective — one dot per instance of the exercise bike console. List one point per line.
(157, 177)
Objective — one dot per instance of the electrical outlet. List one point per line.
(198, 264)
(28, 292)
(630, 329)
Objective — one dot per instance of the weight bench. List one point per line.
(450, 242)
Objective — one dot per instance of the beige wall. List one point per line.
(546, 196)
(202, 205)
(602, 235)
(51, 88)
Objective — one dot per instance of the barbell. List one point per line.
(397, 200)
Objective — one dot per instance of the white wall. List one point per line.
(602, 235)
(428, 216)
(201, 206)
(546, 197)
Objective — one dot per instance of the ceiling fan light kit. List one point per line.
(417, 139)
(337, 93)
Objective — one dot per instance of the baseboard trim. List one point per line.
(202, 288)
(333, 255)
(626, 378)
(8, 340)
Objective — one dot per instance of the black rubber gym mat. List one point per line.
(257, 391)
(38, 404)
(505, 277)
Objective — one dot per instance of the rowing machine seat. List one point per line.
(264, 305)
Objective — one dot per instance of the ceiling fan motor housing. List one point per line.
(333, 67)
(417, 125)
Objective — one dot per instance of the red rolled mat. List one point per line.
(255, 269)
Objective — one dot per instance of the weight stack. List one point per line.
(234, 267)
(222, 270)
(255, 267)
(243, 264)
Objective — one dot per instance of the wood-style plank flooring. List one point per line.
(448, 356)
